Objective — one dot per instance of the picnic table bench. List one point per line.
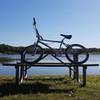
(21, 70)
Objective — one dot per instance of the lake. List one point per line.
(7, 70)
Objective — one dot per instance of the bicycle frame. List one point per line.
(42, 41)
(45, 44)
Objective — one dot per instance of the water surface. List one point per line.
(8, 70)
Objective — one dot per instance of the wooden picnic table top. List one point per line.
(48, 64)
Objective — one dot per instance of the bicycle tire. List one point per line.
(32, 54)
(79, 50)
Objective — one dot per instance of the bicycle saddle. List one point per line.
(66, 36)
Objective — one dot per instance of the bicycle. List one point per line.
(34, 53)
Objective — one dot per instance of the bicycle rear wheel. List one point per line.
(79, 51)
(32, 54)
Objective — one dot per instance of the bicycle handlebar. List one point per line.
(34, 21)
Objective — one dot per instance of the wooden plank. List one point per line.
(76, 72)
(17, 75)
(84, 76)
(9, 64)
(49, 64)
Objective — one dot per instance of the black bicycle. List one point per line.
(34, 53)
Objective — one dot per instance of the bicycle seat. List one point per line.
(66, 36)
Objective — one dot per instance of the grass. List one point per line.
(49, 88)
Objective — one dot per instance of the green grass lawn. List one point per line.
(49, 88)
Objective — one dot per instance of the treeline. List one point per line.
(11, 49)
(94, 50)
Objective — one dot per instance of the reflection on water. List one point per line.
(7, 70)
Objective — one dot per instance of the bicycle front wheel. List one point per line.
(32, 54)
(79, 51)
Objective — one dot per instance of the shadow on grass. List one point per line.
(11, 88)
(46, 79)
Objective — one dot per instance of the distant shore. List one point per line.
(17, 50)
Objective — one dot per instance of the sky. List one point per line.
(80, 18)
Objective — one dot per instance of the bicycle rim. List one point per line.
(79, 51)
(32, 54)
